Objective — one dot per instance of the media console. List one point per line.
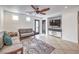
(54, 26)
(55, 32)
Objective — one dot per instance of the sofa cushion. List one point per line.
(1, 40)
(25, 30)
(7, 39)
(16, 40)
(27, 34)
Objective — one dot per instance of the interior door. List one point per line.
(44, 26)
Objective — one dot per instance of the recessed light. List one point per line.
(66, 7)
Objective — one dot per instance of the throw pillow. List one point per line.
(5, 33)
(7, 39)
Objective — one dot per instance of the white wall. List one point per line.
(70, 25)
(11, 25)
(1, 19)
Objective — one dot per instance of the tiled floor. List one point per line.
(61, 46)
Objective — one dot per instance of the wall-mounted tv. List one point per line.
(55, 22)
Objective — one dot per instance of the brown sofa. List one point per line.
(23, 33)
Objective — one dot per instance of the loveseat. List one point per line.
(23, 33)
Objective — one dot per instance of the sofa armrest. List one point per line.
(11, 49)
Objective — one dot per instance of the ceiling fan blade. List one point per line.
(33, 7)
(43, 13)
(46, 9)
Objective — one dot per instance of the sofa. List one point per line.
(23, 33)
(15, 48)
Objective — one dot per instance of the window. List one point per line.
(28, 19)
(15, 17)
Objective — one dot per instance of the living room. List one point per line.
(57, 27)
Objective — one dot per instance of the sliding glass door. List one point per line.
(37, 26)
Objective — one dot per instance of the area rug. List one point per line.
(36, 46)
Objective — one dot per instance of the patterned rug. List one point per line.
(36, 46)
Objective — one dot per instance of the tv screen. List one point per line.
(51, 22)
(55, 22)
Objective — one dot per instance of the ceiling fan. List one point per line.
(38, 11)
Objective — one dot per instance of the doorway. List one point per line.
(37, 26)
(43, 26)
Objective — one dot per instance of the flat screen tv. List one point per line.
(55, 22)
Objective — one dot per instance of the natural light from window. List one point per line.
(28, 19)
(15, 17)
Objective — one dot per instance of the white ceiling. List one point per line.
(23, 8)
